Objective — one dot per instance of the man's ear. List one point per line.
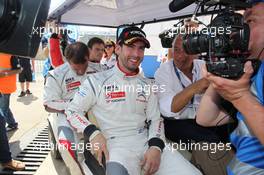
(118, 49)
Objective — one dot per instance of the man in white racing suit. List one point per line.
(60, 86)
(131, 135)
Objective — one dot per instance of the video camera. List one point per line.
(223, 43)
(20, 24)
(167, 36)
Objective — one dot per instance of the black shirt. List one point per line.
(24, 63)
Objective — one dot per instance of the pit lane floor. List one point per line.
(31, 133)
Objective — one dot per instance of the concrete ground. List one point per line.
(30, 115)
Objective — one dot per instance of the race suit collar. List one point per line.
(123, 73)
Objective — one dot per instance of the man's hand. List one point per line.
(201, 85)
(232, 90)
(151, 161)
(99, 148)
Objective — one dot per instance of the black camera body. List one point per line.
(223, 43)
(21, 22)
(167, 38)
(231, 68)
(226, 33)
(166, 41)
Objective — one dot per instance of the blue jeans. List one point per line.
(5, 110)
(5, 154)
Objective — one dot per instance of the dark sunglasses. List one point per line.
(108, 46)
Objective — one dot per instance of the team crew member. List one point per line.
(61, 85)
(7, 86)
(132, 133)
(9, 68)
(96, 49)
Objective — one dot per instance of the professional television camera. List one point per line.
(21, 22)
(224, 43)
(167, 36)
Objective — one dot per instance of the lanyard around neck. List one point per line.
(179, 78)
(178, 75)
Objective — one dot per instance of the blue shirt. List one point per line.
(249, 159)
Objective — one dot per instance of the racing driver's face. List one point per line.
(130, 56)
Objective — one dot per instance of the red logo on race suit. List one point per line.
(73, 85)
(115, 96)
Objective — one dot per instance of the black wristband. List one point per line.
(156, 142)
(88, 131)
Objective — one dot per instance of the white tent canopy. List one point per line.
(112, 13)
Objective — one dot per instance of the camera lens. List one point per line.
(196, 43)
(22, 23)
(9, 11)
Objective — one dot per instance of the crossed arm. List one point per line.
(53, 101)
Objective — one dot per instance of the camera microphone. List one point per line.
(177, 5)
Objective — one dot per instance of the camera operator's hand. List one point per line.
(100, 149)
(232, 90)
(201, 85)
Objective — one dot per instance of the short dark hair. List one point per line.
(76, 52)
(95, 40)
(54, 35)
